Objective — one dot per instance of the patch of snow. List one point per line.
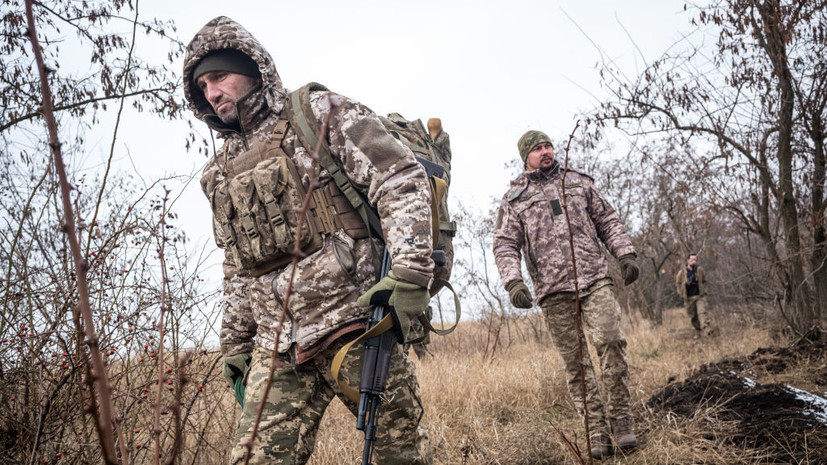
(747, 382)
(818, 404)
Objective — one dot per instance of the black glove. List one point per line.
(519, 294)
(629, 269)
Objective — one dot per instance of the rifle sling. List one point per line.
(385, 324)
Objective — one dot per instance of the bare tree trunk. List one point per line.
(657, 311)
(799, 312)
(819, 256)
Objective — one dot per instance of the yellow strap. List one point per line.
(457, 312)
(335, 367)
(438, 189)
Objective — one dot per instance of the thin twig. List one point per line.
(297, 255)
(580, 335)
(162, 377)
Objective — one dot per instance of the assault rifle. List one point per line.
(378, 350)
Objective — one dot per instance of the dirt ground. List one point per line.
(787, 424)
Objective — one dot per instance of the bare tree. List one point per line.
(747, 114)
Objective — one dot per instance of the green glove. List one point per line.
(235, 369)
(405, 300)
(628, 268)
(519, 294)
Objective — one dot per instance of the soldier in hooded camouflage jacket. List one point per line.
(531, 223)
(231, 84)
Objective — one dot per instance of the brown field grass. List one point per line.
(509, 408)
(506, 410)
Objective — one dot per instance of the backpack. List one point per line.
(433, 146)
(432, 149)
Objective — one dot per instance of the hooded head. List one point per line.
(228, 59)
(223, 42)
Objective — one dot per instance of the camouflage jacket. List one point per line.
(680, 282)
(531, 222)
(321, 306)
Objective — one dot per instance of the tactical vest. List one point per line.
(257, 208)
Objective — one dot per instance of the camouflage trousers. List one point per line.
(696, 310)
(600, 314)
(300, 394)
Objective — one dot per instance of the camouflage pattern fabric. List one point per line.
(531, 222)
(322, 301)
(600, 314)
(299, 396)
(529, 140)
(696, 310)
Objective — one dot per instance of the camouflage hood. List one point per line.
(221, 33)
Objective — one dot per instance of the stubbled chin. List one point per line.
(228, 117)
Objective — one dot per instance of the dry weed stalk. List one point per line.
(166, 308)
(576, 315)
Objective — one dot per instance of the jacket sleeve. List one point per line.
(389, 176)
(238, 327)
(508, 242)
(607, 223)
(680, 284)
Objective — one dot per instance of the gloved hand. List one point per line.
(404, 299)
(628, 268)
(235, 369)
(519, 294)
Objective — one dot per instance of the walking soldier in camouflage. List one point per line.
(690, 282)
(531, 223)
(255, 184)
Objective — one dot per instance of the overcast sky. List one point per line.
(491, 70)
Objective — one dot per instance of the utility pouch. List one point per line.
(257, 206)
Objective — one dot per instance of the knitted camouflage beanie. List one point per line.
(530, 140)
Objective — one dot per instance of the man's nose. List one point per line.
(211, 92)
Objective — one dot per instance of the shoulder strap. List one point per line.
(304, 123)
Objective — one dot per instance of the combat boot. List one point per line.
(622, 431)
(601, 446)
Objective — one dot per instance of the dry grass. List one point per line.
(507, 409)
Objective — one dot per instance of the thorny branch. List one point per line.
(96, 376)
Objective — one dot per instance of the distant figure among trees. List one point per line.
(690, 283)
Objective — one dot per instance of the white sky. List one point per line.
(489, 69)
